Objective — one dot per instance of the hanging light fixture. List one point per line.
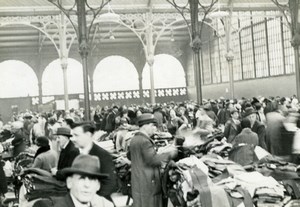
(172, 39)
(110, 16)
(111, 35)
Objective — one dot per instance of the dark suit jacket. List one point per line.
(108, 186)
(66, 158)
(260, 130)
(110, 122)
(3, 183)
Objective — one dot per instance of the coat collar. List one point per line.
(139, 133)
(69, 200)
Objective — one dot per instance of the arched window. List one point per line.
(52, 79)
(168, 73)
(17, 80)
(115, 73)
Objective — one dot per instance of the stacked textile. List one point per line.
(214, 181)
(264, 190)
(190, 179)
(215, 144)
(41, 184)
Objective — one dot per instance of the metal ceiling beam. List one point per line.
(127, 8)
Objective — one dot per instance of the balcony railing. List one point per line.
(130, 96)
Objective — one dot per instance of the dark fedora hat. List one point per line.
(42, 141)
(146, 118)
(157, 107)
(17, 140)
(248, 111)
(85, 165)
(64, 131)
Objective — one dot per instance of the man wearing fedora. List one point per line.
(68, 151)
(145, 164)
(83, 139)
(83, 180)
(256, 126)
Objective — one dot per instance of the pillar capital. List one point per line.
(196, 44)
(64, 62)
(150, 59)
(84, 48)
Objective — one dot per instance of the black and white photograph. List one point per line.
(149, 103)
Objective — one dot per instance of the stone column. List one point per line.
(229, 57)
(295, 30)
(64, 66)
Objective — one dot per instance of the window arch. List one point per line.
(52, 79)
(168, 73)
(115, 73)
(23, 84)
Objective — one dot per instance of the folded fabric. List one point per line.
(269, 192)
(194, 161)
(255, 180)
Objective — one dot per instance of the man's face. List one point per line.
(81, 138)
(150, 129)
(62, 140)
(82, 187)
(235, 115)
(252, 118)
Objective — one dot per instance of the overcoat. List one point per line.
(109, 185)
(145, 172)
(66, 158)
(231, 130)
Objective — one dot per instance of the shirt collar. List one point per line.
(77, 203)
(64, 147)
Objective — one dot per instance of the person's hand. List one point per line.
(53, 171)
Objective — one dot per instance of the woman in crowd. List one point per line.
(244, 145)
(44, 158)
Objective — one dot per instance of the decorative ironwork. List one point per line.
(175, 92)
(83, 34)
(117, 95)
(113, 95)
(35, 100)
(105, 96)
(168, 92)
(146, 94)
(161, 92)
(128, 95)
(121, 95)
(97, 96)
(136, 94)
(192, 7)
(183, 91)
(45, 25)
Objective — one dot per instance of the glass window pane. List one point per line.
(275, 45)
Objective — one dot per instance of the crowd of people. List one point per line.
(65, 145)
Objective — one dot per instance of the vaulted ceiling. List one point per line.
(27, 25)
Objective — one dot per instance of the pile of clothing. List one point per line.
(41, 184)
(208, 178)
